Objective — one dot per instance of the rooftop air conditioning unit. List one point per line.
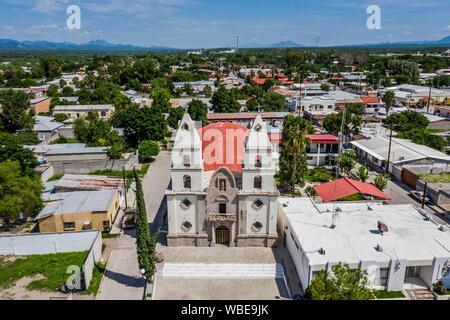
(382, 227)
(442, 228)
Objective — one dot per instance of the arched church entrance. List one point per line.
(223, 236)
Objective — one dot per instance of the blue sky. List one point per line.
(215, 23)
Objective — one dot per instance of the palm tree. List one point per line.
(389, 99)
(293, 152)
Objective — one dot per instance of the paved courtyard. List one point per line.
(168, 288)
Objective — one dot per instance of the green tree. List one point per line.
(406, 121)
(161, 99)
(352, 124)
(363, 173)
(18, 194)
(10, 149)
(145, 243)
(15, 112)
(389, 99)
(293, 159)
(141, 124)
(224, 101)
(148, 150)
(60, 117)
(52, 90)
(272, 101)
(175, 115)
(381, 181)
(188, 88)
(347, 160)
(208, 92)
(198, 110)
(51, 67)
(342, 283)
(325, 87)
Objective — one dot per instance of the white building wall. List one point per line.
(396, 275)
(181, 214)
(255, 214)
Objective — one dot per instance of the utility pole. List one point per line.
(389, 150)
(341, 135)
(125, 187)
(429, 97)
(424, 194)
(300, 99)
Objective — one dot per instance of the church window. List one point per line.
(187, 182)
(186, 226)
(257, 226)
(258, 204)
(186, 204)
(187, 160)
(258, 163)
(258, 182)
(186, 127)
(222, 184)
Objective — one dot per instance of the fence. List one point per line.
(52, 243)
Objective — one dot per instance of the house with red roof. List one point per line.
(345, 187)
(323, 150)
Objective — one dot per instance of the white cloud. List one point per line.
(49, 6)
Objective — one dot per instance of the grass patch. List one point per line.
(52, 266)
(435, 178)
(383, 294)
(110, 236)
(354, 197)
(97, 275)
(319, 175)
(56, 177)
(65, 140)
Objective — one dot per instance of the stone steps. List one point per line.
(420, 294)
(222, 270)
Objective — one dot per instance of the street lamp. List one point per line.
(142, 271)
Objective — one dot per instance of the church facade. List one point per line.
(223, 187)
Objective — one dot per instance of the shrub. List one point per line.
(147, 150)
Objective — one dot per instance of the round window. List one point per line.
(257, 226)
(186, 204)
(258, 204)
(186, 226)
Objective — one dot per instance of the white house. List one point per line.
(398, 245)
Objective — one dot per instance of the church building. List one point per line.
(223, 187)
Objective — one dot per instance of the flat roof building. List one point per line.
(398, 245)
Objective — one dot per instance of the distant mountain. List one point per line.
(97, 45)
(281, 44)
(425, 43)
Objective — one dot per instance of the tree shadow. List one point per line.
(129, 281)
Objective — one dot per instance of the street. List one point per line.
(122, 280)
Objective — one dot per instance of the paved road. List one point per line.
(155, 185)
(122, 280)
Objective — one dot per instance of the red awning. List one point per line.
(341, 188)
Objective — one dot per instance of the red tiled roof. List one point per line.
(323, 138)
(370, 100)
(223, 146)
(345, 187)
